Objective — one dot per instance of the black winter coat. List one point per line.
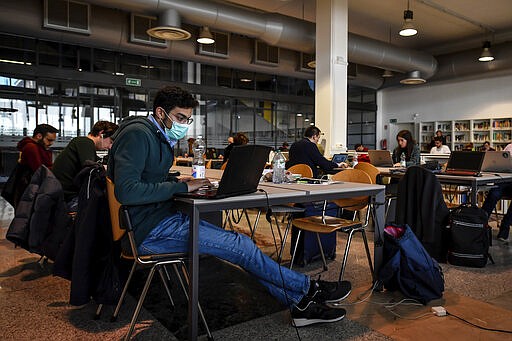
(420, 204)
(41, 219)
(88, 256)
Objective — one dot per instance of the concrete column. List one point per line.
(331, 73)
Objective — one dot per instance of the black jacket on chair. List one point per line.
(87, 254)
(41, 220)
(420, 204)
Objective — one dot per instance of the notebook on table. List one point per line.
(241, 176)
(380, 158)
(464, 163)
(499, 162)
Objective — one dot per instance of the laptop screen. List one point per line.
(339, 158)
(466, 161)
(243, 170)
(380, 158)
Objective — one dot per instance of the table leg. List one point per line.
(193, 289)
(379, 232)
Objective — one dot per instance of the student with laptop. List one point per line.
(306, 151)
(407, 146)
(139, 163)
(439, 147)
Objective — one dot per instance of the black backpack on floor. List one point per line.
(470, 237)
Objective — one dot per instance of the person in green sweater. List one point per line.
(80, 149)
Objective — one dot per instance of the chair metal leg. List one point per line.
(123, 294)
(182, 284)
(295, 248)
(98, 312)
(283, 241)
(345, 256)
(165, 282)
(321, 250)
(139, 303)
(370, 264)
(256, 224)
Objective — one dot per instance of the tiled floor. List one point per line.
(33, 303)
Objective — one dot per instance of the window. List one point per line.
(139, 27)
(266, 54)
(67, 15)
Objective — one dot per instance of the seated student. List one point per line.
(406, 145)
(140, 159)
(35, 151)
(72, 159)
(359, 147)
(439, 147)
(468, 147)
(439, 133)
(306, 151)
(486, 147)
(238, 140)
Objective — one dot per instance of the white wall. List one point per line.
(463, 99)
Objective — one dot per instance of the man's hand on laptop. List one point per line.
(342, 165)
(194, 184)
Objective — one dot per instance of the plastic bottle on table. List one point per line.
(198, 168)
(354, 160)
(278, 168)
(402, 160)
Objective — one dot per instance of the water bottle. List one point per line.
(402, 160)
(354, 160)
(199, 148)
(278, 168)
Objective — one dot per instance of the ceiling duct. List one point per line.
(169, 27)
(282, 31)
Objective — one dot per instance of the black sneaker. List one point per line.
(329, 292)
(315, 313)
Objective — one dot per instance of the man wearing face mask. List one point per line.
(138, 165)
(73, 158)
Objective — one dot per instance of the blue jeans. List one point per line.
(490, 202)
(171, 235)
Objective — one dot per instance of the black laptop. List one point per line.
(241, 176)
(464, 163)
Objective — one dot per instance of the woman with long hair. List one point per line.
(408, 146)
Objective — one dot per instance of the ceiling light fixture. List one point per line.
(169, 27)
(408, 28)
(486, 55)
(413, 78)
(387, 74)
(205, 36)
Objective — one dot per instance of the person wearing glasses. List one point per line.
(73, 158)
(139, 164)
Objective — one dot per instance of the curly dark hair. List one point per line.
(44, 129)
(170, 97)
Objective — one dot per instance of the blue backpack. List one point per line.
(408, 267)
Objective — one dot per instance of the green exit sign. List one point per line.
(133, 81)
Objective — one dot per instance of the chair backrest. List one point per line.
(224, 165)
(114, 206)
(353, 175)
(370, 169)
(302, 169)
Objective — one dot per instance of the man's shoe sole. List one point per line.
(302, 322)
(339, 299)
